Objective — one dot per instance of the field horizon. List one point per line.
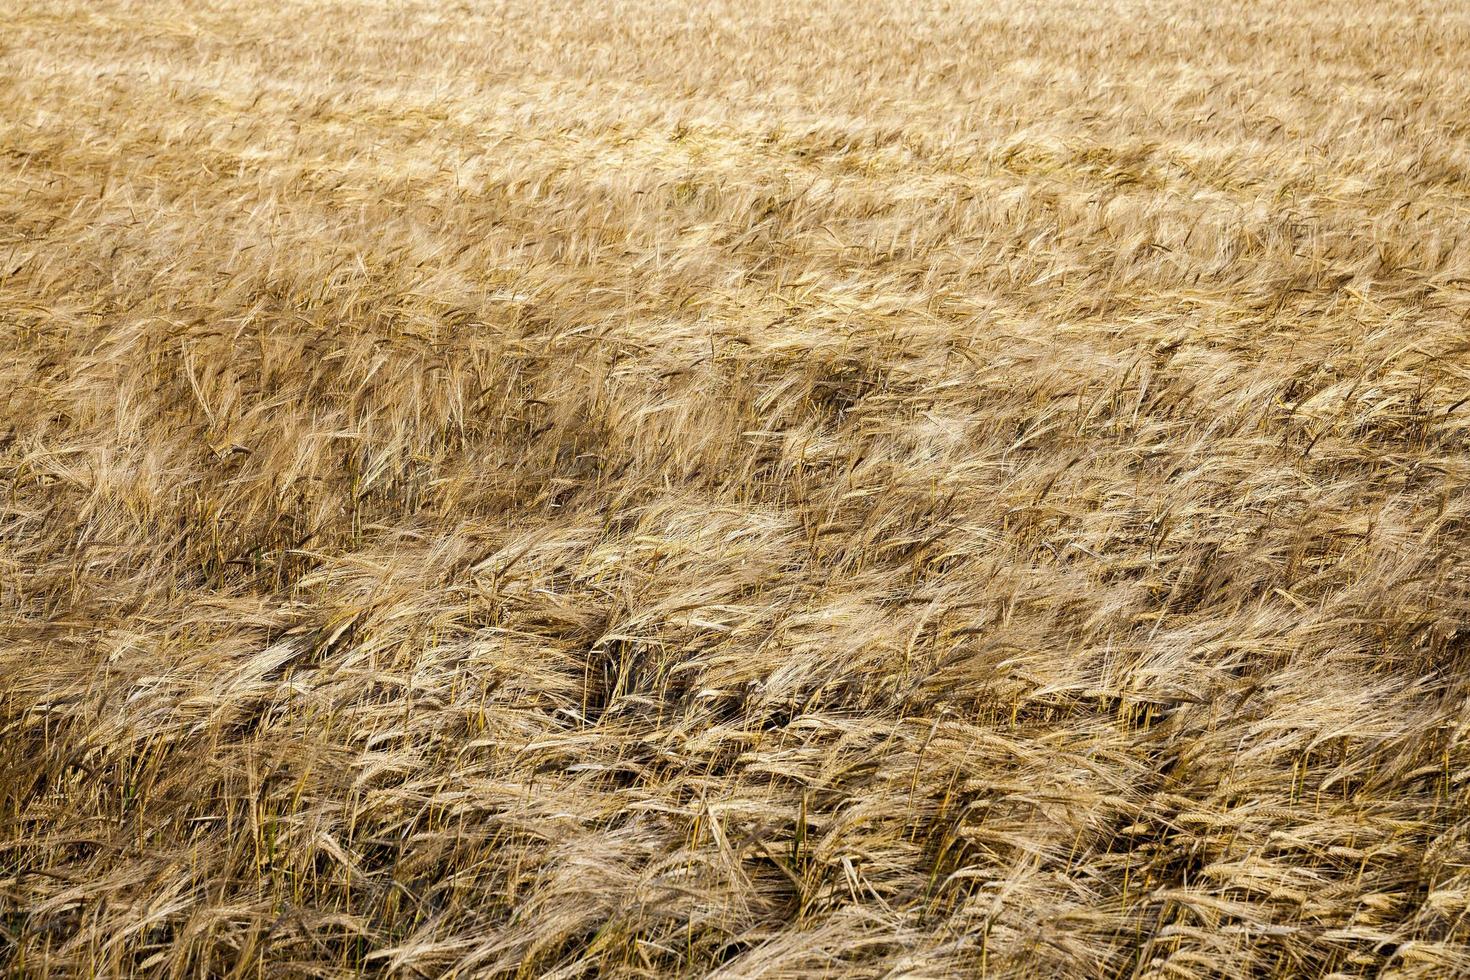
(772, 490)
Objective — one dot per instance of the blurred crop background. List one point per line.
(764, 489)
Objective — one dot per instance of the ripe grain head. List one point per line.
(880, 489)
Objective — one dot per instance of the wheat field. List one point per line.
(890, 488)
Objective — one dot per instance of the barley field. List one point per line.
(881, 488)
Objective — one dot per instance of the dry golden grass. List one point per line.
(894, 488)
